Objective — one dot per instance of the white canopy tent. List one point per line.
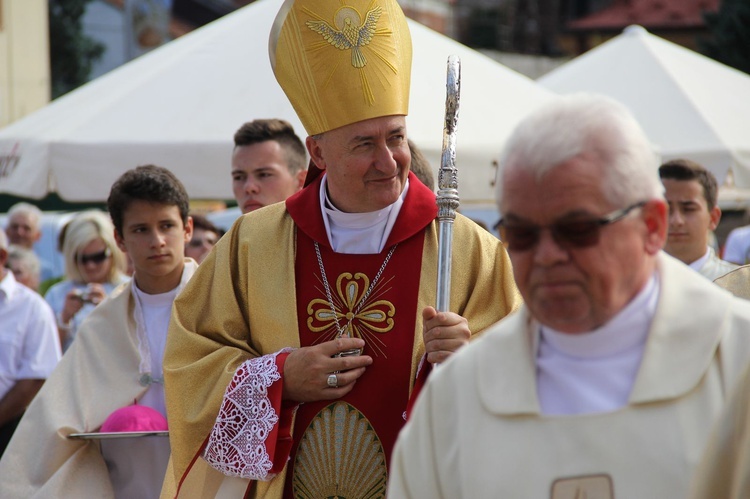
(689, 105)
(180, 105)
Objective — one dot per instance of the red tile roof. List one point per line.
(647, 13)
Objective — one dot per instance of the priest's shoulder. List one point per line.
(500, 346)
(256, 222)
(123, 287)
(466, 227)
(511, 333)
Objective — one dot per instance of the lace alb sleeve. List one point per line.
(238, 443)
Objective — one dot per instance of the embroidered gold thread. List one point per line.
(369, 96)
(339, 455)
(361, 319)
(349, 33)
(386, 61)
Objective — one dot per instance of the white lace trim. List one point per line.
(237, 444)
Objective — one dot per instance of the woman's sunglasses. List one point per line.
(94, 257)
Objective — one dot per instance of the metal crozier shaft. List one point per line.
(447, 195)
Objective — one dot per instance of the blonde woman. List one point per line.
(94, 266)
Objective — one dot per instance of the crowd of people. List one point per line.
(585, 353)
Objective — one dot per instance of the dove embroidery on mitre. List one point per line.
(350, 32)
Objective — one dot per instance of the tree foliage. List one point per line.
(72, 53)
(730, 34)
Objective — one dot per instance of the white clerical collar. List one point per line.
(359, 233)
(700, 262)
(628, 329)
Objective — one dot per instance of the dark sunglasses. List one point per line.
(94, 257)
(568, 234)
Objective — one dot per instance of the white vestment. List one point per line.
(100, 373)
(477, 429)
(714, 267)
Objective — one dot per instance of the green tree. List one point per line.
(72, 53)
(730, 34)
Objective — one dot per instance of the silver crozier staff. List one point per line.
(447, 195)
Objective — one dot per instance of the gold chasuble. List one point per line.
(262, 290)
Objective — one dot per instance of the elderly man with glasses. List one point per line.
(606, 383)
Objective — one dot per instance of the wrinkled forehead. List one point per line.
(575, 183)
(374, 127)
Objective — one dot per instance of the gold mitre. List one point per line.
(342, 61)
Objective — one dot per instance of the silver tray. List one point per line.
(100, 435)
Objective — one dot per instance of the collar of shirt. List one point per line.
(700, 262)
(627, 329)
(8, 285)
(359, 233)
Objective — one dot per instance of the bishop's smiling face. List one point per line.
(367, 163)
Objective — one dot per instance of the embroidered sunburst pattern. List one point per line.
(358, 315)
(340, 456)
(351, 31)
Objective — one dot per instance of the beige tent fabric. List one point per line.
(153, 110)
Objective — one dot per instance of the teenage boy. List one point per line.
(115, 362)
(691, 193)
(269, 163)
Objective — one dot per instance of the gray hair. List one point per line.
(85, 227)
(26, 209)
(27, 258)
(574, 124)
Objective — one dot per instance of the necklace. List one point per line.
(346, 330)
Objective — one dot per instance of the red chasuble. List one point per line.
(342, 447)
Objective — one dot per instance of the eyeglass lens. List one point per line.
(93, 257)
(578, 234)
(567, 234)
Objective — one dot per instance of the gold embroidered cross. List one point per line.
(363, 319)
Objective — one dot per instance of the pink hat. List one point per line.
(135, 418)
